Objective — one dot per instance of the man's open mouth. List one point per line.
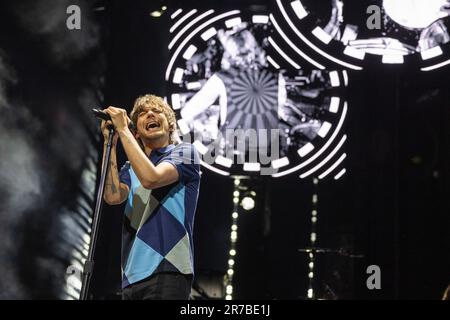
(152, 125)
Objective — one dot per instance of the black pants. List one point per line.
(161, 286)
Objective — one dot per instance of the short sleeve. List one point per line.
(124, 174)
(186, 160)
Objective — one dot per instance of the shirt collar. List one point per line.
(163, 150)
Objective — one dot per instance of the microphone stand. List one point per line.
(89, 264)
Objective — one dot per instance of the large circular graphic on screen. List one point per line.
(248, 109)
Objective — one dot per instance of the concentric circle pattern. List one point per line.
(229, 71)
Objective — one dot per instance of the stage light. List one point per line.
(232, 252)
(248, 203)
(236, 193)
(311, 275)
(230, 272)
(229, 289)
(158, 13)
(311, 265)
(310, 293)
(228, 297)
(234, 227)
(231, 262)
(235, 215)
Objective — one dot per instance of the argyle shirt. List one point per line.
(158, 223)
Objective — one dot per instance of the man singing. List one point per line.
(160, 182)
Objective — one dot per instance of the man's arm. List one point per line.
(150, 176)
(115, 192)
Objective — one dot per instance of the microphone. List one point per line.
(104, 116)
(101, 114)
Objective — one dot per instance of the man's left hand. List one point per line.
(119, 117)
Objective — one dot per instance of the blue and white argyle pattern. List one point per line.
(158, 223)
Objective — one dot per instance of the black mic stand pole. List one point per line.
(89, 264)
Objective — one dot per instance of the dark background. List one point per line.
(392, 206)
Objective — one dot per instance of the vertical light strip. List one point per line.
(312, 240)
(233, 240)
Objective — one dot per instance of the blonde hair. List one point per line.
(150, 100)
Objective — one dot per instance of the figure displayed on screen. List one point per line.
(241, 91)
